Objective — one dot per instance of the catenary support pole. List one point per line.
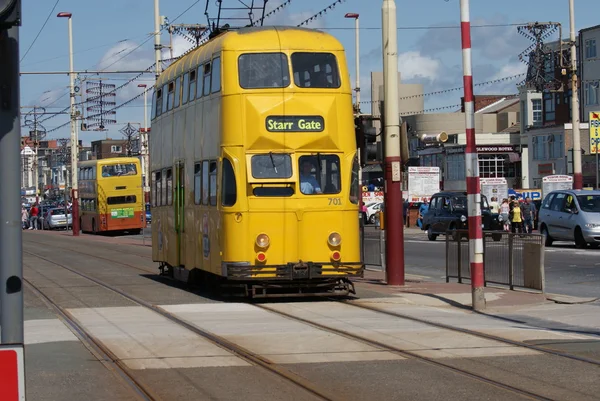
(157, 46)
(472, 167)
(577, 173)
(394, 222)
(11, 263)
(74, 139)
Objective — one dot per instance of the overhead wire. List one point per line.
(40, 31)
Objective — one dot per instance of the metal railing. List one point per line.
(514, 260)
(373, 247)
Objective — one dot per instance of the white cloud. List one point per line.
(510, 70)
(412, 65)
(125, 55)
(180, 46)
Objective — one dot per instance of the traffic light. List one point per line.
(10, 13)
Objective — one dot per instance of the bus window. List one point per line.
(206, 79)
(153, 108)
(213, 183)
(354, 188)
(118, 200)
(205, 182)
(315, 70)
(272, 165)
(192, 85)
(216, 75)
(169, 186)
(263, 70)
(186, 87)
(319, 174)
(197, 183)
(228, 187)
(199, 76)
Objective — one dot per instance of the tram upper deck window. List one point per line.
(263, 70)
(272, 165)
(119, 170)
(319, 174)
(315, 70)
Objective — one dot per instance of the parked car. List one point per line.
(148, 214)
(571, 215)
(448, 212)
(55, 218)
(372, 210)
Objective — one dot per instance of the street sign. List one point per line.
(594, 132)
(12, 373)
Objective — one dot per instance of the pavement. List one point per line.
(177, 364)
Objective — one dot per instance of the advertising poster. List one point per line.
(594, 131)
(494, 187)
(423, 182)
(556, 182)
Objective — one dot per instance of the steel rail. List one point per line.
(236, 349)
(407, 354)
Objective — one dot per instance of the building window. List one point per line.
(591, 93)
(116, 149)
(536, 106)
(492, 166)
(556, 146)
(455, 167)
(549, 103)
(590, 48)
(540, 148)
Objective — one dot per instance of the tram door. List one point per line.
(180, 211)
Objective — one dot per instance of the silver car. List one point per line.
(571, 215)
(56, 219)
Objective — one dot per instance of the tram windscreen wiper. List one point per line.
(273, 162)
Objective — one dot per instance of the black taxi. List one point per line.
(448, 211)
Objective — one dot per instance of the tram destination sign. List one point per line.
(295, 123)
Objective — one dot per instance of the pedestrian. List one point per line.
(33, 217)
(404, 209)
(516, 218)
(423, 209)
(528, 210)
(504, 212)
(494, 207)
(24, 217)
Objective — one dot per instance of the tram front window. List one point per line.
(315, 70)
(272, 165)
(263, 70)
(319, 174)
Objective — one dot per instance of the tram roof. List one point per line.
(265, 38)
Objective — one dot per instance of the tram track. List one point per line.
(241, 352)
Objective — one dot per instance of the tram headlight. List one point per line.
(335, 239)
(262, 241)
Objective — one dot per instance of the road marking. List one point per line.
(145, 340)
(41, 331)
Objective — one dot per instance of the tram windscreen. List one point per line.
(315, 70)
(118, 170)
(319, 174)
(263, 70)
(271, 165)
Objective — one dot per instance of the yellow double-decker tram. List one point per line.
(254, 165)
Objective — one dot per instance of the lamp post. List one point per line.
(144, 144)
(74, 139)
(577, 174)
(357, 88)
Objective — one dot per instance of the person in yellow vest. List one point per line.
(516, 219)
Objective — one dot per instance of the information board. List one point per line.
(494, 187)
(423, 182)
(556, 182)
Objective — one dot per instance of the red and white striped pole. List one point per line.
(472, 166)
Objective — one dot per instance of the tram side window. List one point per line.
(199, 76)
(197, 183)
(177, 93)
(153, 109)
(315, 70)
(158, 188)
(228, 185)
(165, 92)
(206, 79)
(319, 174)
(213, 183)
(263, 70)
(216, 75)
(163, 188)
(169, 186)
(354, 188)
(185, 89)
(192, 85)
(205, 182)
(93, 173)
(159, 102)
(170, 96)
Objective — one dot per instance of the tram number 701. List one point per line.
(335, 201)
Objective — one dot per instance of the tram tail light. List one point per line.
(336, 256)
(262, 241)
(261, 257)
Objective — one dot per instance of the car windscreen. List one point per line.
(589, 203)
(57, 212)
(460, 203)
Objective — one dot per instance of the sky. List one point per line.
(116, 35)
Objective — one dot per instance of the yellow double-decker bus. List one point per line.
(254, 165)
(111, 195)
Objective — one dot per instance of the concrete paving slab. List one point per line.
(145, 340)
(567, 299)
(274, 337)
